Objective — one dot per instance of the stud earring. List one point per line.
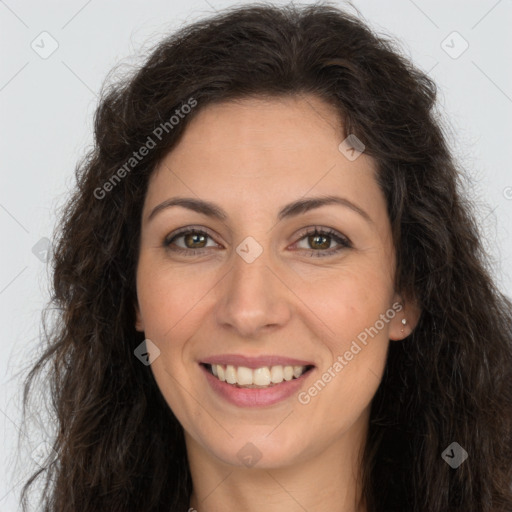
(404, 323)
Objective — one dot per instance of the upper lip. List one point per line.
(255, 362)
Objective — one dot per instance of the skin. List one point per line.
(251, 158)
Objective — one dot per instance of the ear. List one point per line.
(139, 323)
(408, 309)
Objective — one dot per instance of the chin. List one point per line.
(258, 451)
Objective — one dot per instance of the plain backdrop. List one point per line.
(54, 58)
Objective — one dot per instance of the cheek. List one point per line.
(356, 308)
(357, 344)
(351, 300)
(169, 298)
(170, 302)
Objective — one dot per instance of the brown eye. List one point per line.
(189, 241)
(319, 241)
(195, 240)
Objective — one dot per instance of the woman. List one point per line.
(272, 293)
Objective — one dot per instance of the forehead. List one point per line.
(279, 124)
(257, 151)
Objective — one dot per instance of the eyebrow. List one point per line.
(298, 207)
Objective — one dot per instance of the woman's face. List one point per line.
(234, 280)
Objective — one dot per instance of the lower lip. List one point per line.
(254, 397)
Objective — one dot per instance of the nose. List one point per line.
(253, 299)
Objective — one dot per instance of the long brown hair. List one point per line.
(119, 446)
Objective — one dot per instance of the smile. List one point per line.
(263, 377)
(255, 381)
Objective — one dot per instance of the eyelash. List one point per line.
(344, 243)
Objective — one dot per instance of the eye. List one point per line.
(189, 240)
(319, 241)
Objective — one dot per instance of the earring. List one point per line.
(404, 323)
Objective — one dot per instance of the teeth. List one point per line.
(276, 374)
(261, 376)
(244, 376)
(297, 371)
(265, 376)
(230, 374)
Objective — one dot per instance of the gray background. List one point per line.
(46, 119)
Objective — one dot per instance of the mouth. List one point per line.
(256, 378)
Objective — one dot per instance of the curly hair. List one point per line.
(119, 446)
